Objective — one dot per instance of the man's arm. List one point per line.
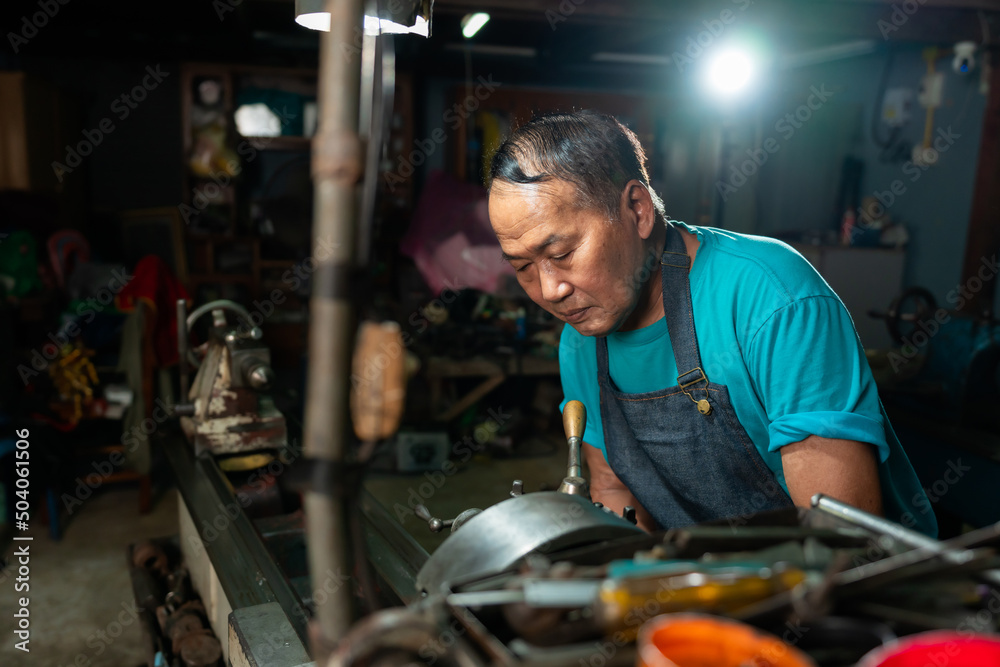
(606, 488)
(844, 469)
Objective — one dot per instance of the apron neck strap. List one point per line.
(675, 264)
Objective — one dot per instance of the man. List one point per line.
(721, 374)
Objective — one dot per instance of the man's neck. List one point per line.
(649, 309)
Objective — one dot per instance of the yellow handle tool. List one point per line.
(624, 604)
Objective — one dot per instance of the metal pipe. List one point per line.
(875, 524)
(574, 468)
(337, 168)
(901, 534)
(574, 423)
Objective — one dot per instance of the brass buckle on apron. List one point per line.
(704, 407)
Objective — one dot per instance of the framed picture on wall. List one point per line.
(155, 231)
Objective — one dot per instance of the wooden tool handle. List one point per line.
(378, 382)
(574, 419)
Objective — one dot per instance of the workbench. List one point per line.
(493, 371)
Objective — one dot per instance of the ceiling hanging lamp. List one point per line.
(396, 17)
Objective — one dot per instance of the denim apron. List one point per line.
(681, 451)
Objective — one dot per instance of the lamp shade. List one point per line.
(397, 17)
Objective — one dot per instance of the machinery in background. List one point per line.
(941, 353)
(229, 411)
(940, 388)
(172, 616)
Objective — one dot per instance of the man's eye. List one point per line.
(521, 268)
(562, 256)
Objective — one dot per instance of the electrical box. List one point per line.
(931, 90)
(896, 106)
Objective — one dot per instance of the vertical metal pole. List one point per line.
(337, 166)
(182, 350)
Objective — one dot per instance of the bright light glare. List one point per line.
(373, 25)
(473, 22)
(730, 72)
(314, 21)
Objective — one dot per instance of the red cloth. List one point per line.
(154, 284)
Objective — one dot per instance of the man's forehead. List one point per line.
(524, 212)
(551, 192)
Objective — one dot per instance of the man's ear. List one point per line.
(639, 206)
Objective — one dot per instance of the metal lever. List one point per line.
(574, 423)
(628, 513)
(435, 524)
(517, 489)
(254, 333)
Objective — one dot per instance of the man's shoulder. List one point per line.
(765, 262)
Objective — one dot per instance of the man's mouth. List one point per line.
(576, 315)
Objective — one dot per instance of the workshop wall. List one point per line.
(935, 203)
(797, 190)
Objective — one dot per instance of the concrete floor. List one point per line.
(80, 585)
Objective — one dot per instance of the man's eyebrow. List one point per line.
(552, 238)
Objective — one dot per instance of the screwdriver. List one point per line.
(624, 603)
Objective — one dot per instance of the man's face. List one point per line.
(572, 262)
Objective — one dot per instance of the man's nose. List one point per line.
(554, 288)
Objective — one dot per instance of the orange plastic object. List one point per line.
(696, 640)
(955, 649)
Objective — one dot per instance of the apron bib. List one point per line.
(681, 451)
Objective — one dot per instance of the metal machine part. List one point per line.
(253, 571)
(902, 323)
(190, 640)
(437, 525)
(148, 555)
(262, 635)
(494, 539)
(500, 616)
(228, 411)
(246, 571)
(574, 423)
(501, 535)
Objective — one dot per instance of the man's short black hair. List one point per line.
(593, 151)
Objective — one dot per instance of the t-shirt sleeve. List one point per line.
(578, 374)
(812, 377)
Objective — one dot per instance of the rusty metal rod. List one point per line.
(337, 167)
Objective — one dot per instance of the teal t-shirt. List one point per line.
(772, 330)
